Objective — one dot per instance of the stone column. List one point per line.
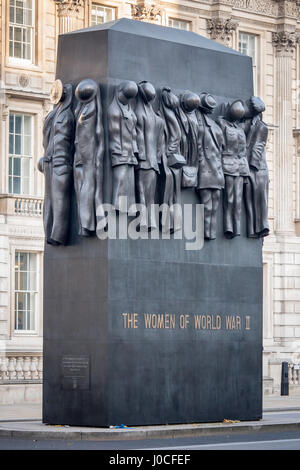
(284, 43)
(68, 11)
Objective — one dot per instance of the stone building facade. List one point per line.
(268, 31)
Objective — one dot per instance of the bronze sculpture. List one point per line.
(256, 192)
(56, 164)
(190, 137)
(88, 159)
(172, 160)
(210, 176)
(235, 166)
(150, 135)
(180, 146)
(123, 146)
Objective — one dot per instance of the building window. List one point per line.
(179, 24)
(21, 29)
(101, 14)
(20, 153)
(248, 46)
(25, 291)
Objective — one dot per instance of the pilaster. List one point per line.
(296, 134)
(221, 26)
(284, 42)
(68, 12)
(221, 30)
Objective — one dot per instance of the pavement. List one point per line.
(25, 421)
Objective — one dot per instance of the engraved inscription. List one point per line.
(75, 371)
(159, 321)
(168, 321)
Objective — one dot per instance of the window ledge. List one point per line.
(25, 333)
(22, 64)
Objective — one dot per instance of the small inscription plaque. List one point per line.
(75, 372)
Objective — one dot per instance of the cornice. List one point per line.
(264, 7)
(268, 8)
(197, 10)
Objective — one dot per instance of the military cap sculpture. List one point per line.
(184, 144)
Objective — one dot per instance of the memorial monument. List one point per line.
(161, 323)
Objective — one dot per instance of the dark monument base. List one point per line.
(188, 350)
(142, 332)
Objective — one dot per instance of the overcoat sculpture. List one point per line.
(172, 161)
(150, 141)
(256, 192)
(123, 147)
(153, 157)
(190, 137)
(89, 150)
(57, 163)
(235, 167)
(210, 176)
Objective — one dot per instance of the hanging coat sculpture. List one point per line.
(150, 135)
(88, 160)
(56, 164)
(172, 162)
(123, 147)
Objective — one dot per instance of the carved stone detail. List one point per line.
(68, 7)
(221, 29)
(224, 2)
(260, 6)
(24, 80)
(47, 107)
(68, 11)
(145, 11)
(289, 8)
(285, 42)
(4, 111)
